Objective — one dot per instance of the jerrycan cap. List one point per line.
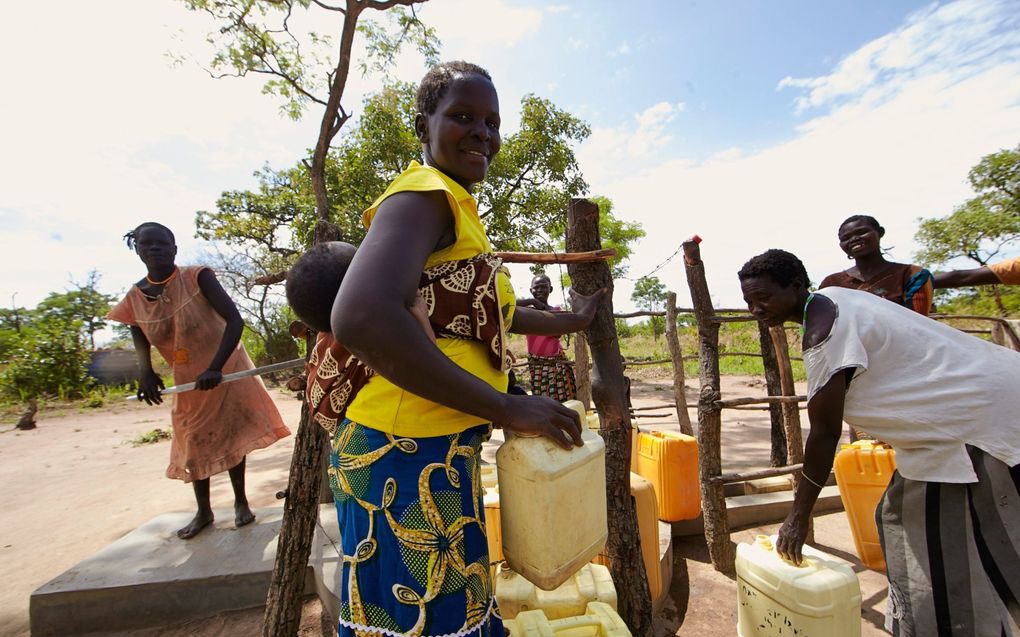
(767, 543)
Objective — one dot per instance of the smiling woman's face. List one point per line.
(461, 137)
(770, 302)
(859, 238)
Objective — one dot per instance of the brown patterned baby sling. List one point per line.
(463, 303)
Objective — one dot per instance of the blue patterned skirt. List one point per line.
(412, 528)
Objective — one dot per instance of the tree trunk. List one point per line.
(679, 395)
(608, 391)
(777, 454)
(300, 515)
(713, 501)
(582, 369)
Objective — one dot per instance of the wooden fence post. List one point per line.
(679, 396)
(777, 454)
(582, 369)
(607, 388)
(713, 501)
(791, 412)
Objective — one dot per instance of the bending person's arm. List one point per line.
(825, 411)
(370, 318)
(965, 278)
(221, 303)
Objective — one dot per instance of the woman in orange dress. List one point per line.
(188, 316)
(902, 283)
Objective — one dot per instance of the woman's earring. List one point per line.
(850, 256)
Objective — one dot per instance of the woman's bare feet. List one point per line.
(202, 519)
(242, 514)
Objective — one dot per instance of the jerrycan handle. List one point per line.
(581, 621)
(765, 543)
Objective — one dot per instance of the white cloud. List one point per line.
(956, 39)
(638, 141)
(897, 145)
(459, 22)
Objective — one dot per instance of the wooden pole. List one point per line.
(713, 500)
(300, 515)
(582, 369)
(791, 415)
(777, 452)
(608, 391)
(679, 396)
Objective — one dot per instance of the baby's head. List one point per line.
(314, 280)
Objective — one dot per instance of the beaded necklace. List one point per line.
(164, 281)
(803, 323)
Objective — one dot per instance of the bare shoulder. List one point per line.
(821, 315)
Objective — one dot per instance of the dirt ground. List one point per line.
(77, 483)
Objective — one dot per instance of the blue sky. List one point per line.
(753, 124)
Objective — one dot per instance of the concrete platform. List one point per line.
(149, 577)
(760, 508)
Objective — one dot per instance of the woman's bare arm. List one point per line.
(370, 317)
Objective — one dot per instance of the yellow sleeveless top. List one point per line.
(382, 405)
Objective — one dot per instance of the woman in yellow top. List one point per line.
(405, 462)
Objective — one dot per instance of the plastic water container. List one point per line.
(596, 425)
(648, 531)
(493, 532)
(669, 460)
(863, 470)
(514, 594)
(598, 620)
(776, 598)
(552, 504)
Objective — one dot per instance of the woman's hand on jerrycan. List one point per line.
(541, 415)
(585, 305)
(792, 534)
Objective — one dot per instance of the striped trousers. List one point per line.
(952, 553)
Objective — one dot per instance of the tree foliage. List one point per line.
(305, 67)
(982, 226)
(650, 294)
(979, 229)
(47, 348)
(522, 202)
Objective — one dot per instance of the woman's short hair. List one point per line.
(131, 237)
(437, 81)
(313, 282)
(781, 266)
(868, 219)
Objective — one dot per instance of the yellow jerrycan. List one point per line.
(599, 620)
(669, 460)
(514, 594)
(552, 504)
(775, 598)
(648, 530)
(863, 470)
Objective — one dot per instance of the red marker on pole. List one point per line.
(696, 239)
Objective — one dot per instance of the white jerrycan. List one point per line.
(552, 504)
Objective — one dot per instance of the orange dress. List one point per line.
(215, 429)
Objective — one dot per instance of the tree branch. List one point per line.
(330, 7)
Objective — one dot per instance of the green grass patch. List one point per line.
(151, 437)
